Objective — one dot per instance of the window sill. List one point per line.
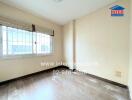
(11, 57)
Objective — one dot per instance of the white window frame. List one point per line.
(24, 55)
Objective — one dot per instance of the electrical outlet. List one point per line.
(118, 74)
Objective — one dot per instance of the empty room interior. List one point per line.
(65, 50)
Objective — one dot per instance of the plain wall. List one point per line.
(68, 44)
(105, 42)
(16, 67)
(102, 43)
(130, 54)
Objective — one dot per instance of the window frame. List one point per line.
(24, 55)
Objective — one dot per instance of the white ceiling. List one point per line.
(59, 12)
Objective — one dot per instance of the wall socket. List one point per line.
(118, 74)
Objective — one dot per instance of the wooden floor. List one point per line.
(61, 85)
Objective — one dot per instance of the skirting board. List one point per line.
(103, 79)
(106, 80)
(32, 74)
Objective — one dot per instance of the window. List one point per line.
(43, 43)
(22, 42)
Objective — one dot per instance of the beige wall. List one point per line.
(130, 54)
(16, 67)
(102, 44)
(105, 43)
(68, 44)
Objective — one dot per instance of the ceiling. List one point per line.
(59, 11)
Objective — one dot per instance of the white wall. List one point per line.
(16, 67)
(102, 43)
(130, 54)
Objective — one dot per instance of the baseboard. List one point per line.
(51, 69)
(32, 74)
(109, 81)
(106, 80)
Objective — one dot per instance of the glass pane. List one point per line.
(4, 47)
(30, 36)
(43, 43)
(20, 35)
(10, 49)
(19, 41)
(34, 43)
(4, 40)
(4, 33)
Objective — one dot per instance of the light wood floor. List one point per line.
(61, 85)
